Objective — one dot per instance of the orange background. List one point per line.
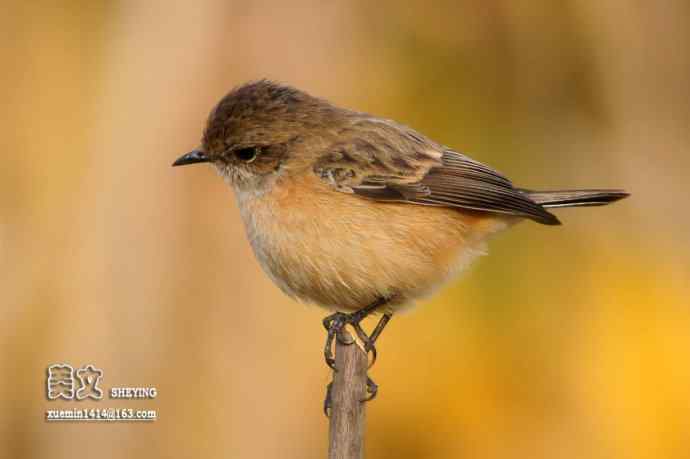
(565, 342)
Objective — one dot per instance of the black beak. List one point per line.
(194, 156)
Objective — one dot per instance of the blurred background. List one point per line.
(565, 342)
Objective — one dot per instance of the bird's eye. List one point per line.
(247, 154)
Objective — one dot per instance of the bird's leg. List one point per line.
(369, 345)
(372, 387)
(335, 323)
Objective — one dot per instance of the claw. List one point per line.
(327, 352)
(330, 361)
(327, 401)
(372, 389)
(369, 347)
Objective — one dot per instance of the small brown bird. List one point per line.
(356, 213)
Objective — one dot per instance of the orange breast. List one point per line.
(342, 251)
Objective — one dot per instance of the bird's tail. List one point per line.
(575, 198)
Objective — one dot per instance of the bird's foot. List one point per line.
(372, 390)
(335, 326)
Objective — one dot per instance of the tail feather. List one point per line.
(575, 198)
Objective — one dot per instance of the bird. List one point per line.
(358, 214)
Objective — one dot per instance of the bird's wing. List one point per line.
(409, 168)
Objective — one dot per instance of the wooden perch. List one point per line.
(346, 435)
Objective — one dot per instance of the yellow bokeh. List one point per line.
(564, 342)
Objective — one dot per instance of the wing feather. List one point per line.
(419, 171)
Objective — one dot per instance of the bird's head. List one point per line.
(263, 129)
